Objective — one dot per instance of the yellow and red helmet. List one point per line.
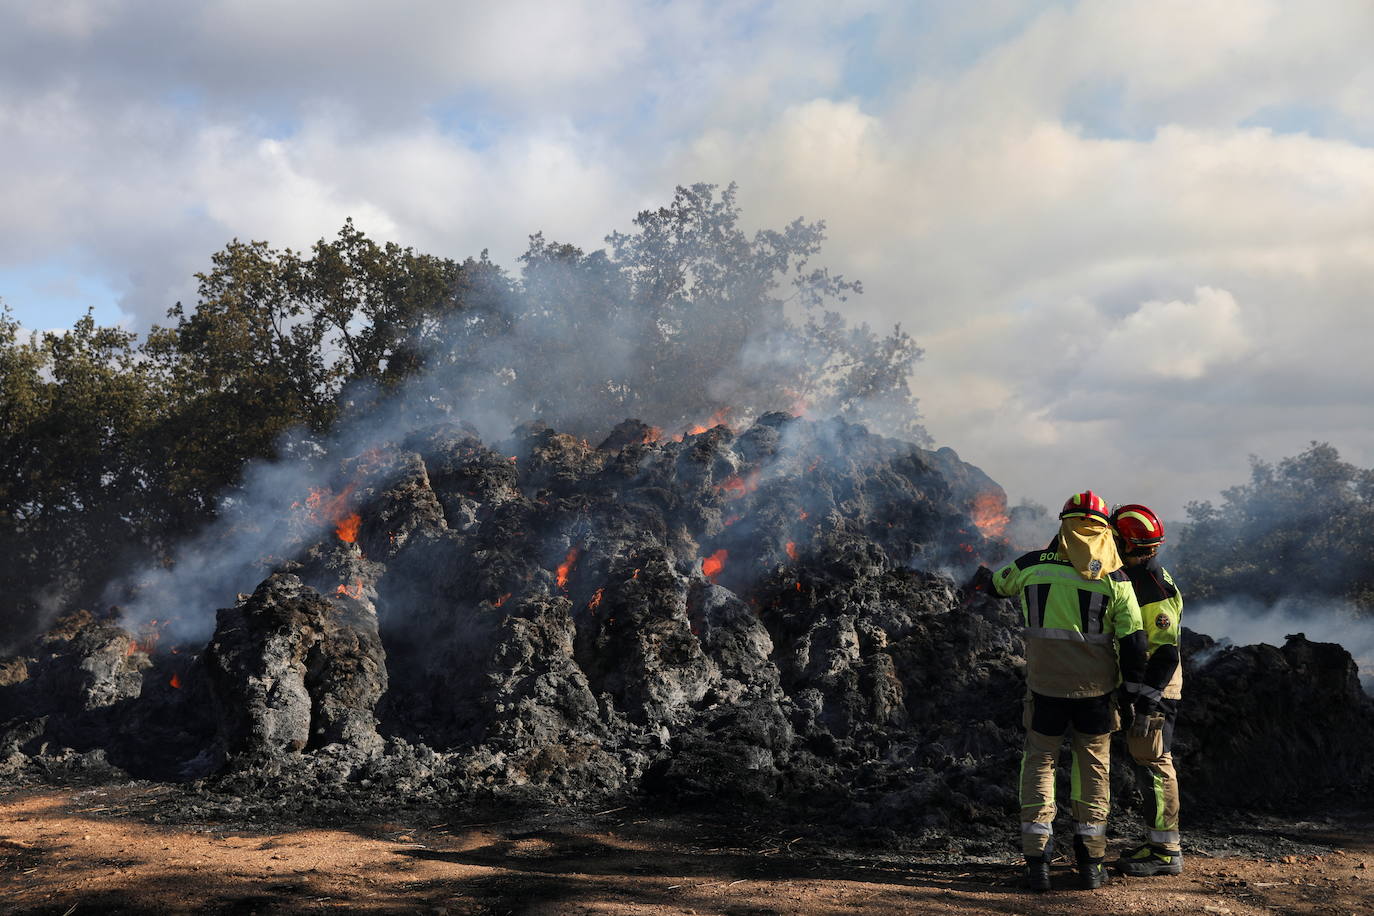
(1085, 505)
(1137, 526)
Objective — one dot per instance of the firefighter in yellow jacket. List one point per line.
(1081, 616)
(1149, 736)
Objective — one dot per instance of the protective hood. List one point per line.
(1090, 547)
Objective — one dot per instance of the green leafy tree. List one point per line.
(75, 493)
(1304, 527)
(689, 315)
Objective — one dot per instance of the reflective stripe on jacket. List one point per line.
(1071, 623)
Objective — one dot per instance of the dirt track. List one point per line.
(101, 851)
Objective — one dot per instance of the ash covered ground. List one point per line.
(766, 620)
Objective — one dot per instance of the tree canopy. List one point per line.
(1301, 527)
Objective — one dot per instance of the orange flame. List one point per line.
(500, 601)
(146, 641)
(720, 418)
(323, 507)
(175, 681)
(730, 520)
(990, 513)
(566, 566)
(803, 515)
(596, 599)
(712, 566)
(352, 591)
(792, 549)
(347, 530)
(736, 486)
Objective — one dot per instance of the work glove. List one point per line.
(1146, 718)
(1125, 708)
(980, 584)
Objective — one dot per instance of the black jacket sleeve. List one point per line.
(1161, 666)
(1131, 652)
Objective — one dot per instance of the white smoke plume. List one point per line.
(576, 345)
(1245, 621)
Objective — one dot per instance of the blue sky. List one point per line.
(1133, 238)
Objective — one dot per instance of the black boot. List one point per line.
(1038, 872)
(1092, 872)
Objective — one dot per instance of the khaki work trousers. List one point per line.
(1158, 782)
(1089, 774)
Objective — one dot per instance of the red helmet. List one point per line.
(1085, 505)
(1138, 526)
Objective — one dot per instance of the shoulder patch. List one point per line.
(1162, 621)
(1151, 584)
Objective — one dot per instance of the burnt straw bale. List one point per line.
(723, 617)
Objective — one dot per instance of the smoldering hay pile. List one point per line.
(727, 617)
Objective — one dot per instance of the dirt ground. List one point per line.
(102, 850)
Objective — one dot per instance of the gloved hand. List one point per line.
(980, 584)
(1146, 718)
(982, 580)
(1125, 708)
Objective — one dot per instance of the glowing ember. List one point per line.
(792, 550)
(175, 681)
(719, 418)
(736, 486)
(351, 591)
(500, 601)
(712, 566)
(347, 530)
(730, 520)
(990, 513)
(566, 566)
(803, 515)
(596, 600)
(146, 641)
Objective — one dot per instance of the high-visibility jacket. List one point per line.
(1161, 611)
(1072, 625)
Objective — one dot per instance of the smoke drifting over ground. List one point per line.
(1245, 621)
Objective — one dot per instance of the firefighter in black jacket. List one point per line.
(1149, 737)
(1075, 604)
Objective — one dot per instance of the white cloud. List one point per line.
(1176, 339)
(1030, 189)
